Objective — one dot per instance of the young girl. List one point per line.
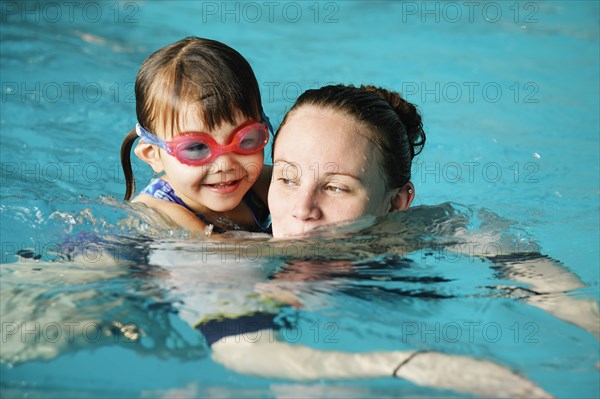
(201, 126)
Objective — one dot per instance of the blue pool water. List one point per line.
(509, 95)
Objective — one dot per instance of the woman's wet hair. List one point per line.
(193, 74)
(393, 124)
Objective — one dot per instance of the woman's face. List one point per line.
(325, 171)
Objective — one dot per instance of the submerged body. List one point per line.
(356, 276)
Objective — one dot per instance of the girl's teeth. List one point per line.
(222, 184)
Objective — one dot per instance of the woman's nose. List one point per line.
(307, 207)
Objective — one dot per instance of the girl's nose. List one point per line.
(306, 207)
(224, 163)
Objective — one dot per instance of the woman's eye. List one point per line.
(336, 189)
(287, 182)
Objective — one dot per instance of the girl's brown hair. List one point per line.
(192, 72)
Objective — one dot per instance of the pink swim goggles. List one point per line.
(197, 148)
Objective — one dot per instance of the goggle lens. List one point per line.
(253, 140)
(193, 151)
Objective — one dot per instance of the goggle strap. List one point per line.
(266, 120)
(148, 137)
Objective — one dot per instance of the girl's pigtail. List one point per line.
(126, 163)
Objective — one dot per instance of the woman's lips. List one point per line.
(224, 188)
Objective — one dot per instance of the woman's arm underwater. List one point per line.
(553, 285)
(266, 357)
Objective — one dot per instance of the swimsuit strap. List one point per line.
(160, 189)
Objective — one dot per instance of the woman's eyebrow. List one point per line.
(281, 164)
(325, 173)
(350, 175)
(280, 161)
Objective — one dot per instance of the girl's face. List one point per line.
(218, 186)
(325, 171)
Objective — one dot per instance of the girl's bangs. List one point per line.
(168, 105)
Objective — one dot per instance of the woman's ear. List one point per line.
(403, 198)
(151, 155)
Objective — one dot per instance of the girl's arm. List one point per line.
(174, 212)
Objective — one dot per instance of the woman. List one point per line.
(343, 152)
